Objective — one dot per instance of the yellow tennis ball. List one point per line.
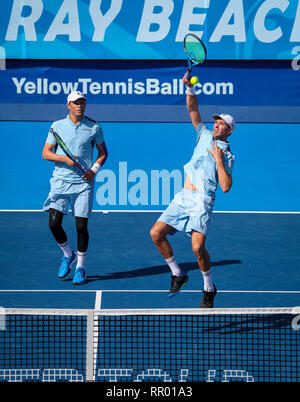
(194, 80)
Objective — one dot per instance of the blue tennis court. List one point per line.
(255, 263)
(249, 337)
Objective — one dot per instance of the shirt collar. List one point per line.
(75, 125)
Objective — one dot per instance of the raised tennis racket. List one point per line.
(195, 51)
(66, 150)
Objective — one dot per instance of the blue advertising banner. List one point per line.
(149, 29)
(219, 83)
(33, 91)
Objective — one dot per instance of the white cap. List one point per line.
(227, 118)
(73, 96)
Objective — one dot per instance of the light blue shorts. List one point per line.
(188, 211)
(64, 196)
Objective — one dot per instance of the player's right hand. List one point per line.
(186, 79)
(69, 162)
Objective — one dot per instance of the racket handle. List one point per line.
(80, 167)
(188, 74)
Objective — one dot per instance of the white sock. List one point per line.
(174, 267)
(66, 249)
(208, 283)
(80, 259)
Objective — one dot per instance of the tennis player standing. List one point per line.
(190, 210)
(68, 187)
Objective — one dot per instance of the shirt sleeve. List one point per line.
(202, 131)
(50, 138)
(99, 138)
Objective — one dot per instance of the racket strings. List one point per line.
(195, 49)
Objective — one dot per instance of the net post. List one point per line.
(90, 346)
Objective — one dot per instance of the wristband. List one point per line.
(190, 91)
(95, 168)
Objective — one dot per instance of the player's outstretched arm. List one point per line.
(192, 104)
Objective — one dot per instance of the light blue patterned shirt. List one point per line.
(202, 168)
(80, 139)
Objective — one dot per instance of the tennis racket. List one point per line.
(66, 150)
(195, 51)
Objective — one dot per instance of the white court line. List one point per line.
(161, 210)
(98, 300)
(99, 292)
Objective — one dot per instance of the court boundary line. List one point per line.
(106, 211)
(99, 292)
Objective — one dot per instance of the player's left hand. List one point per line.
(88, 176)
(216, 152)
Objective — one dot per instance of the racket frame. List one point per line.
(192, 62)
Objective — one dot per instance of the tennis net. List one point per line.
(186, 345)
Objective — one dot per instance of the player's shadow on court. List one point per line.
(155, 270)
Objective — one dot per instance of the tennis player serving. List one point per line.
(72, 182)
(190, 210)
